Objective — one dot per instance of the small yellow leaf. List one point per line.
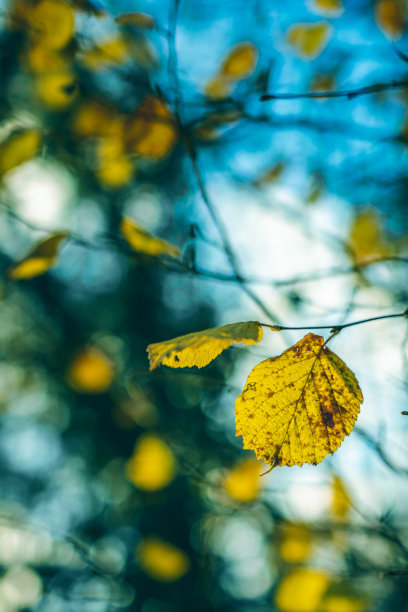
(18, 148)
(298, 407)
(218, 88)
(367, 241)
(152, 465)
(240, 62)
(112, 51)
(309, 39)
(140, 20)
(51, 23)
(295, 543)
(57, 90)
(93, 119)
(39, 259)
(390, 17)
(141, 241)
(341, 501)
(329, 8)
(322, 82)
(271, 175)
(198, 349)
(301, 591)
(243, 482)
(161, 560)
(151, 131)
(91, 371)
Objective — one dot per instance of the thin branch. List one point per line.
(336, 328)
(347, 93)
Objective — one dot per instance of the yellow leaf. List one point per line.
(390, 17)
(243, 482)
(340, 501)
(343, 603)
(330, 8)
(152, 465)
(301, 591)
(218, 88)
(271, 175)
(51, 23)
(93, 119)
(161, 560)
(151, 132)
(309, 39)
(39, 259)
(295, 543)
(57, 90)
(298, 407)
(91, 371)
(367, 241)
(112, 51)
(141, 241)
(42, 59)
(240, 62)
(322, 82)
(18, 148)
(140, 20)
(198, 349)
(116, 172)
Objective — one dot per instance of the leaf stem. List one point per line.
(335, 328)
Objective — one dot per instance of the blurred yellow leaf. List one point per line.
(340, 501)
(390, 17)
(218, 88)
(91, 371)
(301, 591)
(330, 8)
(152, 465)
(140, 20)
(316, 187)
(342, 603)
(93, 119)
(161, 560)
(295, 543)
(298, 407)
(271, 175)
(42, 59)
(151, 131)
(57, 90)
(367, 241)
(240, 62)
(51, 23)
(322, 82)
(243, 482)
(309, 39)
(141, 241)
(198, 349)
(39, 259)
(112, 51)
(116, 172)
(18, 148)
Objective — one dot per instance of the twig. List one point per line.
(335, 328)
(348, 93)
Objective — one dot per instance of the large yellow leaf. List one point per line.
(143, 242)
(309, 39)
(298, 407)
(198, 349)
(390, 17)
(42, 257)
(18, 148)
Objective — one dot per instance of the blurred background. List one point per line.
(147, 192)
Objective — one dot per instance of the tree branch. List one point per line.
(348, 93)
